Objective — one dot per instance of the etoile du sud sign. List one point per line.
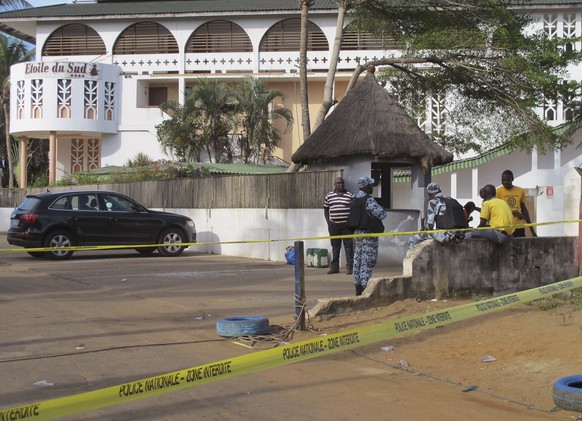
(62, 69)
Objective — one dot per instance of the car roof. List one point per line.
(61, 192)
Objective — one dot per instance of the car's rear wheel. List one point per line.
(171, 238)
(146, 251)
(56, 240)
(36, 253)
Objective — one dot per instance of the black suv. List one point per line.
(95, 218)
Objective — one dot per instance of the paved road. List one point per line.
(105, 318)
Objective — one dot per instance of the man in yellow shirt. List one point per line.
(515, 198)
(495, 213)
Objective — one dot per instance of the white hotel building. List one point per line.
(103, 68)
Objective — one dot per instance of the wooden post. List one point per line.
(299, 285)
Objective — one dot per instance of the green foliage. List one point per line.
(178, 135)
(215, 105)
(39, 180)
(13, 5)
(571, 298)
(547, 304)
(161, 170)
(12, 51)
(478, 55)
(258, 136)
(227, 123)
(141, 159)
(67, 180)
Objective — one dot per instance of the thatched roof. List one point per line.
(368, 121)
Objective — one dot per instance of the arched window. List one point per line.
(286, 36)
(219, 36)
(74, 39)
(354, 38)
(146, 38)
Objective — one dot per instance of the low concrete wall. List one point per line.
(473, 268)
(476, 267)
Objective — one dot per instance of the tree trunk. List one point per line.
(328, 99)
(8, 154)
(304, 4)
(355, 75)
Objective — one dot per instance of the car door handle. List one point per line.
(113, 219)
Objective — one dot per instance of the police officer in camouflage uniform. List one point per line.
(366, 248)
(435, 207)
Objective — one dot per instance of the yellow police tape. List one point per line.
(275, 357)
(287, 240)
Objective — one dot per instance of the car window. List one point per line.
(84, 202)
(28, 203)
(63, 202)
(118, 203)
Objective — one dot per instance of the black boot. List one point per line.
(359, 289)
(333, 269)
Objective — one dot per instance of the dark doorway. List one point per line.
(383, 174)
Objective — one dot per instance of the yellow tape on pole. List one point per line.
(262, 360)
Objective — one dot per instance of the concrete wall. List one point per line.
(479, 267)
(265, 233)
(472, 269)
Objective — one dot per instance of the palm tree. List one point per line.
(215, 105)
(259, 137)
(12, 51)
(178, 135)
(6, 5)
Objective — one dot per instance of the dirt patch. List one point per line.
(531, 346)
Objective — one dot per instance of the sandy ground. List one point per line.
(532, 345)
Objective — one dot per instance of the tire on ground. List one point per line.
(171, 238)
(243, 325)
(567, 393)
(57, 239)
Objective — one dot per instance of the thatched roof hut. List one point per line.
(368, 121)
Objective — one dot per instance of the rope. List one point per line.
(278, 335)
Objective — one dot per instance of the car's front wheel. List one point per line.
(56, 240)
(171, 238)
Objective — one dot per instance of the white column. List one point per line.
(23, 182)
(475, 184)
(534, 159)
(453, 192)
(181, 90)
(52, 157)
